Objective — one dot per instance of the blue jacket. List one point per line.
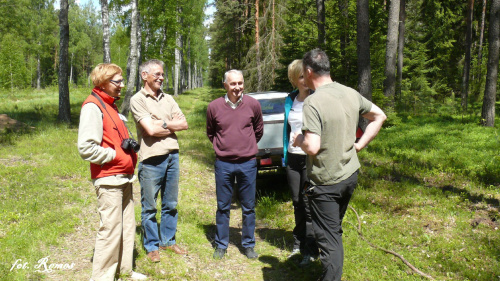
(286, 127)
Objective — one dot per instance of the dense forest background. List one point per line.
(408, 56)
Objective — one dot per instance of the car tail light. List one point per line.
(266, 161)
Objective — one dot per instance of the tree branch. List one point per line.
(358, 229)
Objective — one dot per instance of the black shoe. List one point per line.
(250, 253)
(219, 253)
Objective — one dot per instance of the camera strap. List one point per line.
(119, 116)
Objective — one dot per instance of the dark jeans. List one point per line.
(328, 205)
(303, 232)
(246, 176)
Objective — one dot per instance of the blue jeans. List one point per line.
(159, 174)
(246, 175)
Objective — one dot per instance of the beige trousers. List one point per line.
(114, 245)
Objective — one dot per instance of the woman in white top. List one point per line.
(295, 161)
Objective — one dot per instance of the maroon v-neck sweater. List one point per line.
(234, 133)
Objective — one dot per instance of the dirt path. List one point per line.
(78, 246)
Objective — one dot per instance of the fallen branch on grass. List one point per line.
(388, 251)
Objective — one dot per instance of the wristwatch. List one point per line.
(164, 126)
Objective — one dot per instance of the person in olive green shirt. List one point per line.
(330, 120)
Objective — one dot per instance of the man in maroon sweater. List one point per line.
(234, 126)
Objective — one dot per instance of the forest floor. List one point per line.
(428, 190)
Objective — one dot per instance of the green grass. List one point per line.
(429, 190)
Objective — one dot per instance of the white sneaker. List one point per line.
(294, 252)
(138, 276)
(306, 260)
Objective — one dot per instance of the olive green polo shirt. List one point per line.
(333, 114)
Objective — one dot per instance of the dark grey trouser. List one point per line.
(328, 206)
(302, 233)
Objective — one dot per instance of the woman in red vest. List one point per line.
(104, 141)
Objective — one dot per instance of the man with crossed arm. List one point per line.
(157, 118)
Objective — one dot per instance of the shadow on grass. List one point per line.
(289, 270)
(44, 114)
(473, 198)
(278, 238)
(234, 236)
(399, 174)
(38, 117)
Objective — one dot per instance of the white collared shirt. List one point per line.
(233, 105)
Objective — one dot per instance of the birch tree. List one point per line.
(133, 59)
(401, 45)
(106, 54)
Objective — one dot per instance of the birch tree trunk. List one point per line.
(401, 45)
(163, 42)
(64, 105)
(71, 68)
(138, 79)
(133, 59)
(195, 76)
(468, 43)
(177, 64)
(106, 56)
(391, 50)
(189, 81)
(38, 72)
(490, 91)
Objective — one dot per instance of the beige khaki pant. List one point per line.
(114, 245)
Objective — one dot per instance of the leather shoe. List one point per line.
(219, 253)
(250, 253)
(154, 256)
(176, 249)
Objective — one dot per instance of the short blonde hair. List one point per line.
(294, 72)
(103, 72)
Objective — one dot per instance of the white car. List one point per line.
(270, 155)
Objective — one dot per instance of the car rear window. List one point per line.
(272, 106)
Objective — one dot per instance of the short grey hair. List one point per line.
(232, 71)
(147, 65)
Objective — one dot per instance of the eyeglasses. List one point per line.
(117, 82)
(157, 75)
